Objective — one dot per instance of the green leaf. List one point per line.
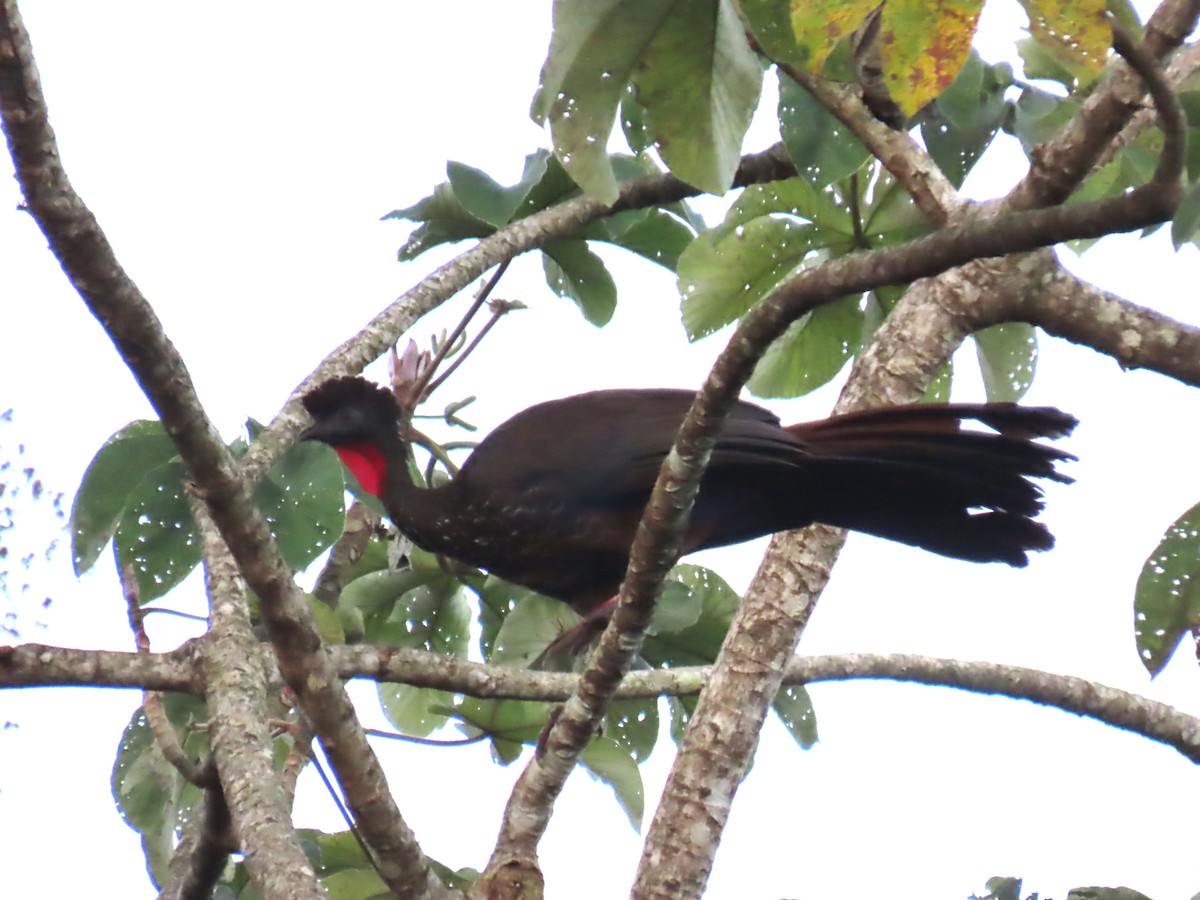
(633, 725)
(485, 199)
(434, 616)
(961, 124)
(151, 795)
(112, 475)
(681, 709)
(444, 220)
(939, 386)
(327, 621)
(794, 707)
(607, 761)
(575, 272)
(651, 233)
(1007, 359)
(699, 83)
(156, 534)
(1038, 115)
(1187, 218)
(509, 723)
(811, 352)
(355, 884)
(633, 121)
(594, 47)
(678, 608)
(723, 273)
(821, 147)
(534, 622)
(698, 643)
(1166, 602)
(302, 499)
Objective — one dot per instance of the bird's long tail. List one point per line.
(913, 474)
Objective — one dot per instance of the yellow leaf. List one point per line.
(1077, 32)
(820, 24)
(923, 45)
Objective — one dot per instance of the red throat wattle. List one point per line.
(366, 462)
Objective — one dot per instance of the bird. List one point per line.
(550, 500)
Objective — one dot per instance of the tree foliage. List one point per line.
(848, 243)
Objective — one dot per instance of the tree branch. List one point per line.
(241, 742)
(526, 234)
(40, 665)
(1061, 163)
(90, 264)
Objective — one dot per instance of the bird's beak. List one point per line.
(314, 432)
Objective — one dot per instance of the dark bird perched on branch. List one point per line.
(551, 499)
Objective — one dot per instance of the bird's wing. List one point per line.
(610, 444)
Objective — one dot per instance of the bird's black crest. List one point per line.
(351, 391)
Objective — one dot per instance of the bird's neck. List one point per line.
(382, 470)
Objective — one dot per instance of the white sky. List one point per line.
(239, 156)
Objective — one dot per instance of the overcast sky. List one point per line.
(239, 156)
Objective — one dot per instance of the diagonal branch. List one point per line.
(90, 264)
(526, 234)
(241, 743)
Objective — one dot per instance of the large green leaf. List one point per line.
(533, 623)
(961, 124)
(794, 707)
(723, 274)
(303, 500)
(575, 272)
(417, 610)
(608, 761)
(444, 220)
(151, 795)
(699, 84)
(157, 535)
(112, 475)
(594, 47)
(698, 643)
(652, 233)
(1008, 359)
(485, 199)
(633, 725)
(1167, 599)
(811, 352)
(821, 147)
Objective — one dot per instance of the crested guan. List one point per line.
(551, 499)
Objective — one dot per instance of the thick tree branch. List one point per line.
(1136, 337)
(241, 741)
(40, 665)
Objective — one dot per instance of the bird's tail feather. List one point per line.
(912, 474)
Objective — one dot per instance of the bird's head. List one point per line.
(360, 421)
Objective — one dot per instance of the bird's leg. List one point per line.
(561, 653)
